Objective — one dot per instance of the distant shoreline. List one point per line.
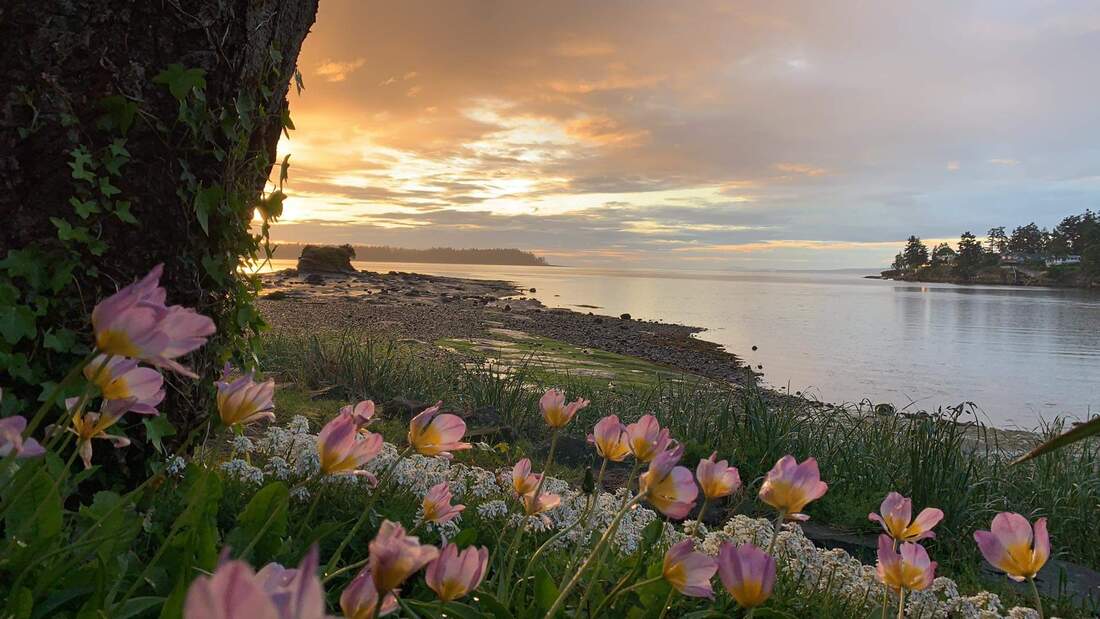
(500, 256)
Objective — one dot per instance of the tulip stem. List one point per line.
(595, 552)
(775, 533)
(344, 570)
(901, 603)
(309, 512)
(699, 520)
(546, 466)
(614, 594)
(382, 480)
(1035, 594)
(56, 393)
(668, 604)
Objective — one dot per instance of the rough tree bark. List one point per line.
(63, 62)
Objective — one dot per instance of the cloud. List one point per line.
(782, 130)
(334, 71)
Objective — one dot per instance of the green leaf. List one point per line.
(61, 340)
(546, 592)
(136, 606)
(118, 113)
(17, 322)
(181, 81)
(36, 516)
(491, 604)
(21, 603)
(465, 537)
(156, 428)
(118, 526)
(262, 524)
(1077, 433)
(84, 208)
(122, 211)
(82, 161)
(207, 201)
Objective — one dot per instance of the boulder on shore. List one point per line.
(326, 259)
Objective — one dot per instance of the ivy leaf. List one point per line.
(16, 323)
(156, 428)
(207, 201)
(82, 160)
(122, 211)
(118, 113)
(288, 124)
(106, 188)
(84, 208)
(181, 81)
(61, 340)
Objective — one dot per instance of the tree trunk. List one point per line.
(132, 133)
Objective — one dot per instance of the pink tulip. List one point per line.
(689, 572)
(233, 591)
(88, 426)
(343, 449)
(360, 599)
(433, 434)
(121, 380)
(135, 322)
(12, 441)
(790, 486)
(609, 436)
(544, 502)
(554, 409)
(523, 480)
(394, 556)
(362, 413)
(909, 569)
(747, 573)
(717, 479)
(245, 401)
(897, 519)
(454, 574)
(437, 505)
(1013, 547)
(647, 438)
(670, 488)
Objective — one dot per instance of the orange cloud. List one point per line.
(334, 71)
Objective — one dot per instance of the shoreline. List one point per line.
(428, 308)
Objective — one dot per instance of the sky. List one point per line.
(705, 135)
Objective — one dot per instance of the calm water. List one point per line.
(1018, 353)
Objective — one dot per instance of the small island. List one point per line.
(1067, 256)
(437, 255)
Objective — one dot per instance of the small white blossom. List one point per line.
(243, 471)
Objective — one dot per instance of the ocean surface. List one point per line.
(1020, 354)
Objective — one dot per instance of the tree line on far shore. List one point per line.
(1074, 243)
(442, 255)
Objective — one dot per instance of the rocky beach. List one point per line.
(429, 308)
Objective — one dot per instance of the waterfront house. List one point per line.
(1057, 261)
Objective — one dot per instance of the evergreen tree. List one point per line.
(916, 253)
(1026, 240)
(998, 240)
(969, 258)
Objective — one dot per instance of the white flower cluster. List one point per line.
(243, 471)
(291, 452)
(817, 569)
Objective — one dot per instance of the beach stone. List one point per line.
(402, 408)
(624, 316)
(326, 259)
